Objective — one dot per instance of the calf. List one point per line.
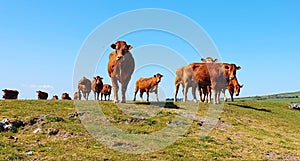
(10, 94)
(84, 86)
(42, 95)
(106, 91)
(55, 97)
(76, 96)
(97, 86)
(147, 85)
(65, 96)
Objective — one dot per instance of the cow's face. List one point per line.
(236, 86)
(230, 70)
(98, 79)
(121, 49)
(158, 77)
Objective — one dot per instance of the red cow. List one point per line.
(120, 68)
(147, 85)
(106, 91)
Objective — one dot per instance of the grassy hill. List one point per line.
(248, 129)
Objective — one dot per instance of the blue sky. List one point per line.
(40, 41)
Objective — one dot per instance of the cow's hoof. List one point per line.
(123, 101)
(115, 101)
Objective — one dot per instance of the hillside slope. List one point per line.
(248, 129)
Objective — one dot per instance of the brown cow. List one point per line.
(215, 74)
(55, 97)
(42, 95)
(84, 86)
(10, 94)
(97, 86)
(147, 85)
(120, 68)
(184, 76)
(65, 96)
(106, 91)
(76, 96)
(233, 87)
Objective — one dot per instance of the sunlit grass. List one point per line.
(248, 129)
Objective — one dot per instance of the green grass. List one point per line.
(257, 128)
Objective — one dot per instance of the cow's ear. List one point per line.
(238, 68)
(113, 46)
(154, 75)
(215, 60)
(101, 78)
(94, 77)
(129, 47)
(241, 86)
(203, 60)
(162, 75)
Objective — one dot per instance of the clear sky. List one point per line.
(40, 41)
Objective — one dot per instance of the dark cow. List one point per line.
(97, 86)
(42, 95)
(84, 87)
(10, 94)
(147, 85)
(65, 96)
(106, 91)
(120, 68)
(55, 97)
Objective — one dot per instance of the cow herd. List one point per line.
(208, 76)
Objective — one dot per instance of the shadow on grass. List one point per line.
(159, 104)
(249, 107)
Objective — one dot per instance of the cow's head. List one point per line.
(98, 79)
(230, 70)
(209, 60)
(236, 86)
(121, 48)
(158, 77)
(38, 91)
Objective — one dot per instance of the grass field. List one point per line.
(254, 128)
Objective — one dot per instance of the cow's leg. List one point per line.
(108, 97)
(231, 96)
(141, 95)
(194, 86)
(176, 91)
(215, 96)
(101, 96)
(95, 95)
(156, 93)
(134, 93)
(98, 95)
(147, 92)
(218, 96)
(115, 87)
(185, 90)
(208, 94)
(124, 89)
(225, 99)
(79, 95)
